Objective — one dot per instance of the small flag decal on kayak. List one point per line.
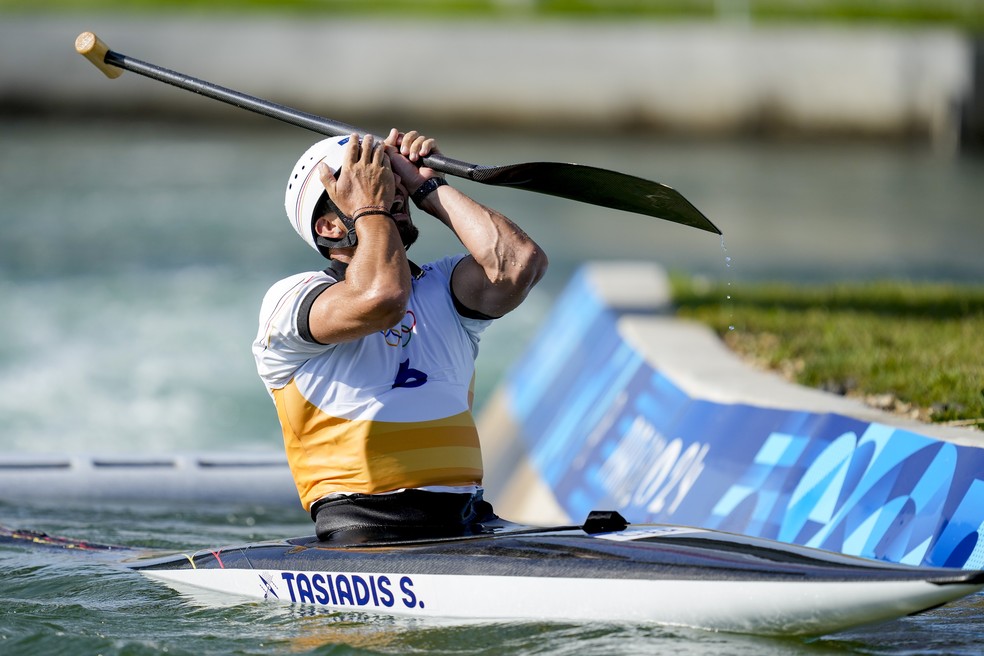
(268, 586)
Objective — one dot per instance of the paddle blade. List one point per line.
(601, 187)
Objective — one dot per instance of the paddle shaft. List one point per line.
(112, 63)
(580, 183)
(286, 114)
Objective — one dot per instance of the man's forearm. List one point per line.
(378, 272)
(498, 245)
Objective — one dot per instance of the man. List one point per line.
(371, 362)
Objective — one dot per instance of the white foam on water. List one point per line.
(141, 363)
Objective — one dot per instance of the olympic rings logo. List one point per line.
(401, 336)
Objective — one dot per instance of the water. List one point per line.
(66, 603)
(133, 257)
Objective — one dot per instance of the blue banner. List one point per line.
(607, 431)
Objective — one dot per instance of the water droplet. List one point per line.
(730, 276)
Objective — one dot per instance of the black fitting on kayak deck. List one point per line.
(603, 521)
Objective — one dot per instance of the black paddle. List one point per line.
(586, 184)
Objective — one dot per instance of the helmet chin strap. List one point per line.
(347, 240)
(350, 239)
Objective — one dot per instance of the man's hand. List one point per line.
(366, 180)
(406, 151)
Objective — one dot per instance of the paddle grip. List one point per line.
(110, 61)
(92, 48)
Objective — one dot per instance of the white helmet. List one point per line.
(304, 187)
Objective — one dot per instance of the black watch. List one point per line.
(424, 190)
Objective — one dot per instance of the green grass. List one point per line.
(967, 14)
(916, 349)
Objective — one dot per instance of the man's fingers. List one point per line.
(407, 143)
(352, 150)
(428, 147)
(380, 157)
(414, 145)
(327, 176)
(374, 152)
(368, 148)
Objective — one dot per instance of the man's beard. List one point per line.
(408, 233)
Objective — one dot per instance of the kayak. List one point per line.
(602, 571)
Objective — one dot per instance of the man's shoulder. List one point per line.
(299, 281)
(288, 292)
(443, 266)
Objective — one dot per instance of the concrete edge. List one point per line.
(700, 363)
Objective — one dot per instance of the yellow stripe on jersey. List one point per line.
(327, 454)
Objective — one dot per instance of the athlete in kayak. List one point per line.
(371, 361)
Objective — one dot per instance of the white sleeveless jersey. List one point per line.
(388, 411)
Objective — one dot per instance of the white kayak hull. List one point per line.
(642, 574)
(764, 608)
